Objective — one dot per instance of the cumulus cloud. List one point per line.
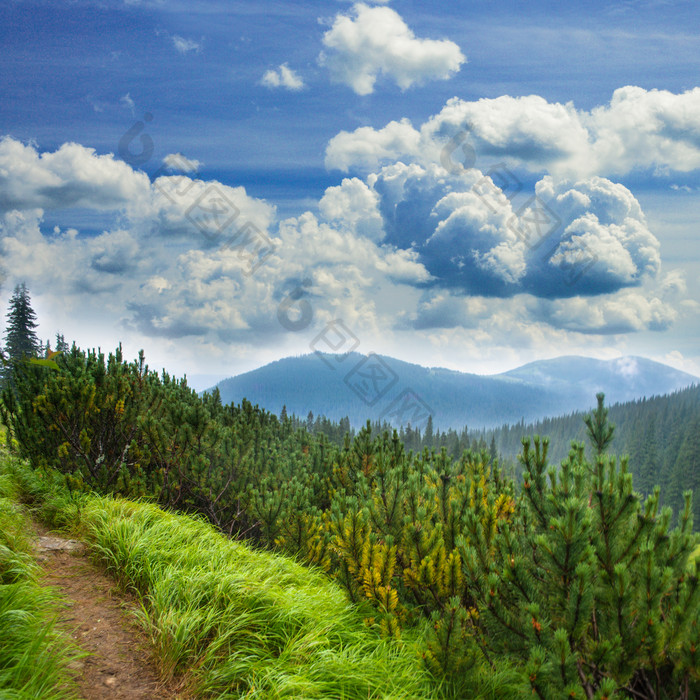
(354, 207)
(621, 313)
(205, 213)
(443, 309)
(467, 234)
(113, 252)
(66, 265)
(602, 243)
(284, 77)
(176, 161)
(374, 41)
(647, 128)
(626, 312)
(338, 272)
(72, 176)
(638, 129)
(511, 331)
(367, 148)
(182, 264)
(577, 253)
(462, 240)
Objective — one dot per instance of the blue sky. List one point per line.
(467, 184)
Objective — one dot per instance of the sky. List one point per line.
(466, 184)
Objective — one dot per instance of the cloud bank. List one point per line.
(639, 129)
(426, 237)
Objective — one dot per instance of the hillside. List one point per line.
(494, 585)
(324, 385)
(660, 434)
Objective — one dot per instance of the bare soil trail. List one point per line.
(97, 617)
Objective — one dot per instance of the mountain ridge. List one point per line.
(378, 387)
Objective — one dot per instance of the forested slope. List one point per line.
(573, 585)
(660, 434)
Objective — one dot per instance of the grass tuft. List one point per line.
(236, 620)
(34, 655)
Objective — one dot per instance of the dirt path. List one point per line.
(97, 617)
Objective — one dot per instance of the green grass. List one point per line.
(244, 623)
(33, 654)
(230, 621)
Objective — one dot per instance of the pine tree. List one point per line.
(20, 337)
(493, 450)
(686, 470)
(588, 585)
(600, 431)
(21, 340)
(61, 344)
(428, 436)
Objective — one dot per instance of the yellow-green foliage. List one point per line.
(395, 545)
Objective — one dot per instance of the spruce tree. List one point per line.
(21, 340)
(61, 344)
(20, 337)
(493, 450)
(428, 436)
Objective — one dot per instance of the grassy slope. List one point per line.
(233, 621)
(33, 654)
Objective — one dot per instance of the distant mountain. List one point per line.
(622, 379)
(384, 388)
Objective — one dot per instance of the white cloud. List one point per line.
(353, 206)
(203, 291)
(176, 161)
(366, 148)
(646, 128)
(469, 236)
(442, 309)
(168, 272)
(374, 41)
(79, 271)
(639, 129)
(205, 213)
(184, 46)
(625, 312)
(72, 176)
(604, 236)
(284, 77)
(113, 252)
